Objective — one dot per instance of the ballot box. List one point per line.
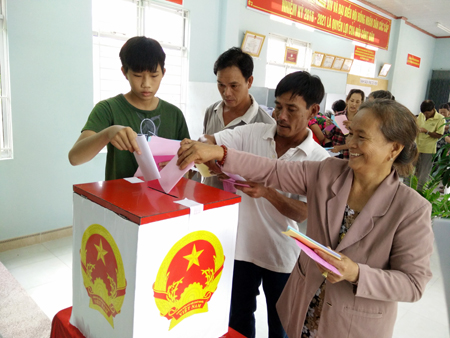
(145, 265)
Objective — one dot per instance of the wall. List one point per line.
(409, 84)
(51, 85)
(441, 60)
(51, 81)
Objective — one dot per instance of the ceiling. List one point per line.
(421, 13)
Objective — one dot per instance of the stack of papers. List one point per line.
(308, 245)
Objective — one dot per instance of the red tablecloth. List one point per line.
(61, 328)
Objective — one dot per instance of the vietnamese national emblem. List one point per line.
(103, 271)
(189, 276)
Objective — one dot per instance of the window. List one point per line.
(6, 148)
(276, 67)
(115, 21)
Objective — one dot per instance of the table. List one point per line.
(61, 328)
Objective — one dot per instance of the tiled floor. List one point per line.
(44, 270)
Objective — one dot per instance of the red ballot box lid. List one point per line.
(146, 202)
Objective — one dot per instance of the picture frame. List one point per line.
(317, 59)
(337, 63)
(252, 43)
(290, 55)
(347, 65)
(328, 62)
(384, 70)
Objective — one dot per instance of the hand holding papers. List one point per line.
(146, 161)
(230, 182)
(159, 149)
(308, 245)
(339, 122)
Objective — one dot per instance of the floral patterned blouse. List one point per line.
(311, 325)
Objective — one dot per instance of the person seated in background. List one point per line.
(263, 254)
(234, 71)
(115, 122)
(431, 128)
(359, 208)
(381, 94)
(355, 98)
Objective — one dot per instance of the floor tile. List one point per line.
(59, 247)
(415, 325)
(24, 256)
(54, 296)
(42, 272)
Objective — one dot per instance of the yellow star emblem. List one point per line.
(193, 257)
(101, 252)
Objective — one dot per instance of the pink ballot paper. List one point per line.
(146, 162)
(308, 245)
(171, 174)
(161, 146)
(340, 121)
(317, 258)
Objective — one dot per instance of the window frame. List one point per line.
(6, 136)
(141, 6)
(289, 68)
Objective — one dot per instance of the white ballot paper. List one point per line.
(146, 161)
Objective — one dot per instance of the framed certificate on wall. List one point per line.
(317, 59)
(328, 62)
(252, 43)
(338, 62)
(347, 65)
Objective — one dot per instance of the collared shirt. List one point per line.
(425, 143)
(213, 123)
(260, 239)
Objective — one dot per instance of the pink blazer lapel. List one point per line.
(377, 206)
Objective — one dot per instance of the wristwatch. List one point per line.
(428, 132)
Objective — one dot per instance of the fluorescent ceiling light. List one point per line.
(443, 27)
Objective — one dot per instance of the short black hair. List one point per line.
(235, 57)
(427, 105)
(382, 94)
(302, 84)
(444, 106)
(338, 106)
(142, 54)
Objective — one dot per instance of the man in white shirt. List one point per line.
(238, 107)
(263, 253)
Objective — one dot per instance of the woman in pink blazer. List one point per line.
(359, 208)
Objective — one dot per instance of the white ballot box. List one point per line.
(146, 266)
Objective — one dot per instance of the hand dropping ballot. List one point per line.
(163, 148)
(308, 245)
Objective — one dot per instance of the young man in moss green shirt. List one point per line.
(115, 122)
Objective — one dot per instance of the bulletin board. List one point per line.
(366, 84)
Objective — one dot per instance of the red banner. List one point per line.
(338, 17)
(364, 54)
(180, 2)
(413, 61)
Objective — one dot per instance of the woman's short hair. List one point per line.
(397, 124)
(355, 91)
(382, 94)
